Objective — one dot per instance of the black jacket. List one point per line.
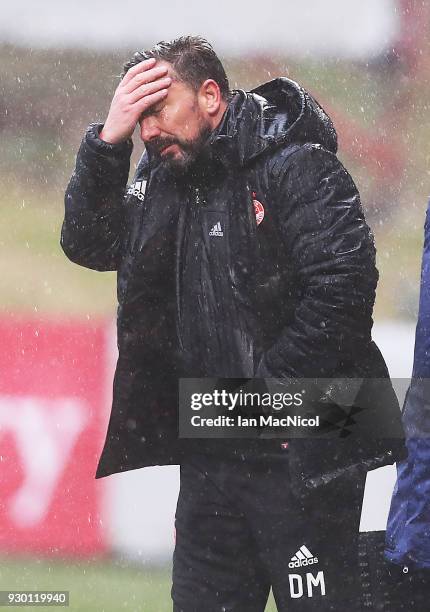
(204, 290)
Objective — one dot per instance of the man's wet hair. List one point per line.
(192, 58)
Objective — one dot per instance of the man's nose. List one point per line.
(149, 129)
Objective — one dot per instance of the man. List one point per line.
(408, 527)
(398, 560)
(241, 251)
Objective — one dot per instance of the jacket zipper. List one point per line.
(179, 247)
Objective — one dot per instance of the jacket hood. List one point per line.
(271, 115)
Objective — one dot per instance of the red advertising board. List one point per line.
(52, 424)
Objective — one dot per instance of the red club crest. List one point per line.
(258, 208)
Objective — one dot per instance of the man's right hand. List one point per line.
(144, 85)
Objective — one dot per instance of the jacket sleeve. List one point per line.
(332, 253)
(93, 221)
(422, 334)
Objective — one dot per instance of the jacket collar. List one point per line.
(274, 114)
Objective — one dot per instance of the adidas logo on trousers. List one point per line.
(302, 557)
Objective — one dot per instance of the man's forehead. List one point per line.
(178, 84)
(175, 91)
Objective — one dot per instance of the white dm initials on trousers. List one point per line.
(297, 584)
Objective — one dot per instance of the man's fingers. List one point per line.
(146, 76)
(144, 103)
(149, 88)
(140, 67)
(143, 85)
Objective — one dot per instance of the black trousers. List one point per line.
(240, 531)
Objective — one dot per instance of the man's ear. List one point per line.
(209, 97)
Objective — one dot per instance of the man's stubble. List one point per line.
(191, 150)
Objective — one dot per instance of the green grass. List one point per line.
(35, 275)
(99, 586)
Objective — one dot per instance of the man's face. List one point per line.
(175, 129)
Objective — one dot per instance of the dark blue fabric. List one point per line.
(408, 528)
(422, 338)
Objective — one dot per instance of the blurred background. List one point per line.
(368, 63)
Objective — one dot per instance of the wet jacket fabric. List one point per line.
(205, 288)
(408, 528)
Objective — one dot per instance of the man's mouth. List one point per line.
(166, 149)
